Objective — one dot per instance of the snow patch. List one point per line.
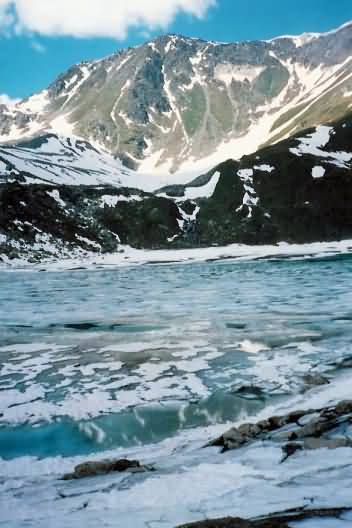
(318, 172)
(298, 40)
(56, 195)
(112, 201)
(170, 45)
(264, 168)
(173, 102)
(62, 125)
(250, 199)
(88, 242)
(34, 104)
(227, 73)
(186, 219)
(205, 191)
(85, 72)
(62, 160)
(314, 144)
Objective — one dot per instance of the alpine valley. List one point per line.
(211, 389)
(182, 143)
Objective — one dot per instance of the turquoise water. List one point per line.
(96, 360)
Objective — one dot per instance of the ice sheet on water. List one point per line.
(92, 367)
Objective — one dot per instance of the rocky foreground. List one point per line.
(324, 428)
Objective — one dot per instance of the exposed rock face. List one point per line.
(93, 469)
(177, 98)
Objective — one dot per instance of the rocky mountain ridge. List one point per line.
(177, 103)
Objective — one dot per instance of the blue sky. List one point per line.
(33, 54)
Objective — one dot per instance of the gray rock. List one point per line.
(93, 469)
(304, 429)
(327, 443)
(315, 380)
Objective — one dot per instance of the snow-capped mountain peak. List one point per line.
(177, 103)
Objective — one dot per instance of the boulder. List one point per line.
(315, 380)
(103, 467)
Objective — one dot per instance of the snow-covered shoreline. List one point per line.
(129, 256)
(247, 482)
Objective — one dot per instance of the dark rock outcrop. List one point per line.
(312, 380)
(274, 194)
(39, 221)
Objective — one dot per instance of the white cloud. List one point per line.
(7, 100)
(96, 18)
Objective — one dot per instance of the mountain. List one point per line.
(178, 104)
(57, 159)
(54, 159)
(298, 190)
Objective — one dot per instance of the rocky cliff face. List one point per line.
(178, 102)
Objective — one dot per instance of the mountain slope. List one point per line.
(60, 160)
(178, 103)
(299, 190)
